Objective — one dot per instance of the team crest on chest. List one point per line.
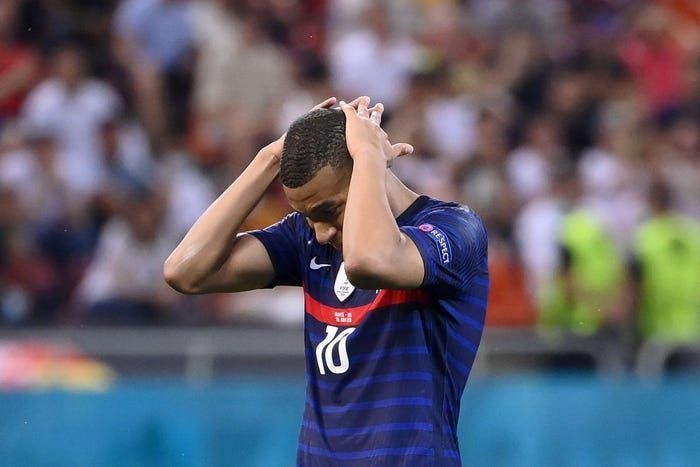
(343, 288)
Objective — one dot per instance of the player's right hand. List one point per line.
(364, 134)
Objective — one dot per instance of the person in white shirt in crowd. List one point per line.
(70, 107)
(529, 166)
(537, 229)
(373, 45)
(122, 284)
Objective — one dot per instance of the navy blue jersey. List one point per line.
(386, 368)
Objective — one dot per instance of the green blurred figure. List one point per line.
(586, 293)
(666, 272)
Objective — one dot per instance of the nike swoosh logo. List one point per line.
(314, 265)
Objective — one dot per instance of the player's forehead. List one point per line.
(325, 190)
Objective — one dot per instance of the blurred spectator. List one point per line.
(655, 59)
(18, 64)
(676, 157)
(610, 190)
(71, 107)
(528, 166)
(667, 272)
(55, 231)
(186, 190)
(587, 293)
(123, 284)
(27, 287)
(482, 180)
(536, 233)
(450, 119)
(155, 44)
(242, 78)
(373, 59)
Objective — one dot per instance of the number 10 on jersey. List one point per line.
(325, 348)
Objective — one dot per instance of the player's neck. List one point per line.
(399, 195)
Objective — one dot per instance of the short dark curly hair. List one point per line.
(314, 140)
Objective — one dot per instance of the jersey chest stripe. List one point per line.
(395, 352)
(388, 378)
(408, 451)
(461, 340)
(354, 315)
(458, 365)
(365, 430)
(379, 404)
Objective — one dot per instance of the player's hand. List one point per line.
(364, 135)
(274, 149)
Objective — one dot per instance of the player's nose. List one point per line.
(324, 232)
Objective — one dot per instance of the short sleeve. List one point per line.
(453, 245)
(283, 244)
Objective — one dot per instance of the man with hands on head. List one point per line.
(395, 286)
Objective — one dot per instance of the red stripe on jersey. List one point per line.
(353, 316)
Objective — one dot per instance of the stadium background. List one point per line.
(565, 124)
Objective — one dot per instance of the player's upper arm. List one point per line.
(444, 251)
(453, 248)
(248, 267)
(258, 259)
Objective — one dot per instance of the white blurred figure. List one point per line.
(678, 160)
(123, 283)
(450, 124)
(71, 107)
(283, 306)
(373, 60)
(613, 191)
(537, 230)
(528, 166)
(38, 179)
(187, 190)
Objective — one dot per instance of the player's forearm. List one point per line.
(211, 239)
(370, 233)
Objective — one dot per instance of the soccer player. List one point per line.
(395, 286)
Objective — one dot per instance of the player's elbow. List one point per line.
(364, 272)
(177, 278)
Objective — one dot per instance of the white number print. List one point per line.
(324, 350)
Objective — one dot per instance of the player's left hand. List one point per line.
(364, 135)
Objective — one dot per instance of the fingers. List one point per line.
(356, 102)
(376, 113)
(362, 107)
(348, 110)
(401, 149)
(330, 102)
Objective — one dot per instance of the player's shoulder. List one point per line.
(457, 224)
(298, 225)
(445, 214)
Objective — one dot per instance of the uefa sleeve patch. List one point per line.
(441, 241)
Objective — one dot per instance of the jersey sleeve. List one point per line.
(453, 245)
(283, 242)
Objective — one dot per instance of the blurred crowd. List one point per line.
(571, 127)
